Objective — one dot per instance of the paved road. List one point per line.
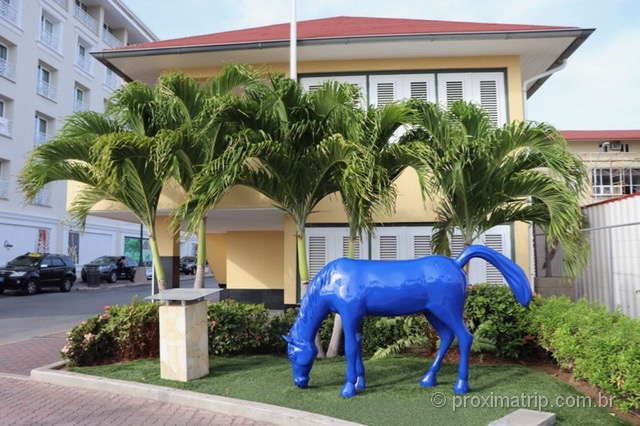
(26, 402)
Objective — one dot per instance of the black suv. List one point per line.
(108, 268)
(188, 264)
(32, 271)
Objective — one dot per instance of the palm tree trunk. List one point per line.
(157, 265)
(303, 267)
(336, 334)
(198, 282)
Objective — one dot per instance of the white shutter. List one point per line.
(494, 241)
(484, 88)
(385, 89)
(313, 83)
(317, 253)
(419, 86)
(388, 247)
(345, 247)
(421, 245)
(457, 245)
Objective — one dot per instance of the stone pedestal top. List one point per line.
(183, 295)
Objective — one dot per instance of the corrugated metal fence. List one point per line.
(612, 276)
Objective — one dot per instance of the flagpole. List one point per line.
(293, 47)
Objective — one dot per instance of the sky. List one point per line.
(599, 89)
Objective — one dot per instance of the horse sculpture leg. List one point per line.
(446, 338)
(353, 356)
(451, 318)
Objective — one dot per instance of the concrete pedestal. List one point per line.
(184, 338)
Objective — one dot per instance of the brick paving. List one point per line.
(26, 402)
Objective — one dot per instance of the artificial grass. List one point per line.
(393, 395)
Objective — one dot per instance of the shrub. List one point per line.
(120, 333)
(236, 328)
(598, 346)
(493, 310)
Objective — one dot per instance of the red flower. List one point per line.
(107, 307)
(214, 323)
(258, 338)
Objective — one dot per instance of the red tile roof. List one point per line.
(600, 135)
(342, 27)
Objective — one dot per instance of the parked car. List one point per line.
(109, 270)
(32, 271)
(148, 267)
(188, 264)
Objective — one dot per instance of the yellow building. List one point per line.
(251, 245)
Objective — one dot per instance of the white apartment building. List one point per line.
(46, 74)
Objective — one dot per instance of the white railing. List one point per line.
(111, 40)
(111, 80)
(6, 126)
(39, 138)
(43, 198)
(83, 62)
(85, 18)
(46, 90)
(79, 106)
(9, 12)
(49, 39)
(7, 69)
(4, 189)
(62, 3)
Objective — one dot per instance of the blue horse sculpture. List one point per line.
(434, 285)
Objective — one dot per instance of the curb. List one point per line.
(219, 404)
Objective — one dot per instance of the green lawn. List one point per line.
(393, 395)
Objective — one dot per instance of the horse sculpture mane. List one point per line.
(433, 285)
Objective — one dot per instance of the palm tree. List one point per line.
(480, 176)
(299, 146)
(195, 113)
(122, 156)
(376, 133)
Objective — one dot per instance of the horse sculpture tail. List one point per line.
(513, 273)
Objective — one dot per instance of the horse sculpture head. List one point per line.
(301, 354)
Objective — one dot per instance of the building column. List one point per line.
(169, 250)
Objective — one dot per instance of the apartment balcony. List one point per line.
(62, 3)
(43, 198)
(4, 189)
(47, 90)
(85, 18)
(112, 81)
(84, 63)
(7, 70)
(9, 13)
(39, 138)
(111, 40)
(6, 126)
(49, 40)
(79, 106)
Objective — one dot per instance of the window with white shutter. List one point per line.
(313, 83)
(421, 245)
(384, 89)
(494, 241)
(317, 254)
(388, 247)
(484, 88)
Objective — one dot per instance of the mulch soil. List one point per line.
(548, 366)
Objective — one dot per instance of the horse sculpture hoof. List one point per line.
(360, 383)
(461, 386)
(348, 390)
(429, 380)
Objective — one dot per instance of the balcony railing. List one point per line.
(62, 3)
(46, 90)
(7, 70)
(49, 39)
(79, 106)
(43, 198)
(9, 12)
(111, 40)
(6, 126)
(4, 189)
(111, 80)
(39, 138)
(83, 62)
(85, 18)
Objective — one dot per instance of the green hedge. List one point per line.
(598, 346)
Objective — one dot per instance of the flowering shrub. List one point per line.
(120, 333)
(237, 328)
